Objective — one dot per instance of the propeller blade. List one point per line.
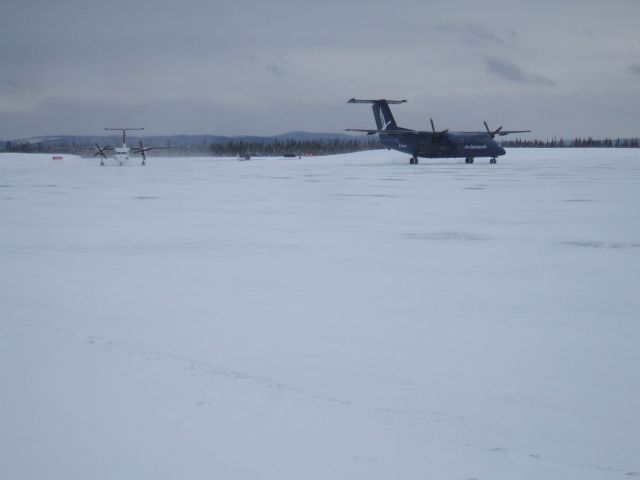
(144, 156)
(437, 135)
(493, 133)
(100, 151)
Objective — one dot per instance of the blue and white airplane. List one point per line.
(432, 144)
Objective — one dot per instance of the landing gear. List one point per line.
(468, 160)
(144, 162)
(413, 160)
(493, 160)
(101, 163)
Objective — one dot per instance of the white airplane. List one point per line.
(121, 154)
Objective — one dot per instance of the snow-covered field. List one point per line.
(345, 317)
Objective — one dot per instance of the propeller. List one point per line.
(100, 153)
(141, 150)
(144, 155)
(101, 150)
(493, 133)
(436, 135)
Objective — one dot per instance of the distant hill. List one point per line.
(175, 140)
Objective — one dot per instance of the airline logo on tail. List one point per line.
(382, 120)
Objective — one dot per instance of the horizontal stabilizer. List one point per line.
(354, 100)
(402, 131)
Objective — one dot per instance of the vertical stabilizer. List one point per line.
(381, 112)
(384, 117)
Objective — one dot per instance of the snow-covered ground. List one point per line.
(345, 317)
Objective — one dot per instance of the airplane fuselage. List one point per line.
(121, 154)
(442, 145)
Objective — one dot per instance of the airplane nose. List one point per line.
(501, 150)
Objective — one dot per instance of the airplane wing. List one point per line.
(427, 132)
(499, 132)
(507, 132)
(146, 149)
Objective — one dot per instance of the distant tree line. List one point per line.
(292, 147)
(231, 148)
(575, 143)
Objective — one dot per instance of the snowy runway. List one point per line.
(339, 317)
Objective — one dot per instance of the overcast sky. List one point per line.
(559, 68)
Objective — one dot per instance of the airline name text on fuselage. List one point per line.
(474, 147)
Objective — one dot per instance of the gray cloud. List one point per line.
(635, 69)
(17, 84)
(508, 70)
(73, 66)
(275, 69)
(10, 85)
(475, 35)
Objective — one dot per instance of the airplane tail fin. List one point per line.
(382, 112)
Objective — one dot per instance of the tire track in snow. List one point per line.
(207, 369)
(202, 368)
